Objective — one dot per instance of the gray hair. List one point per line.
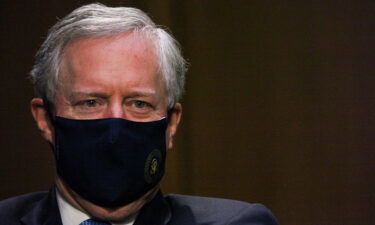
(97, 20)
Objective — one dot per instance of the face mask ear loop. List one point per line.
(169, 114)
(48, 107)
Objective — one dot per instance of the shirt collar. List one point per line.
(73, 216)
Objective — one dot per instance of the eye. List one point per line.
(90, 103)
(140, 104)
(138, 109)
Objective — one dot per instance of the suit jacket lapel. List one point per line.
(156, 212)
(44, 212)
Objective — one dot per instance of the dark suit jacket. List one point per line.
(41, 209)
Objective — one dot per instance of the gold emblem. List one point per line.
(154, 166)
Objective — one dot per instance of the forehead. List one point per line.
(120, 57)
(133, 47)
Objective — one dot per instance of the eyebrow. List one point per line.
(143, 93)
(134, 94)
(87, 94)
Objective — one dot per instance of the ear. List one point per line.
(174, 120)
(41, 118)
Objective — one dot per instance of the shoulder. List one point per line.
(215, 211)
(12, 209)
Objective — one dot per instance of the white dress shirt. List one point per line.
(72, 216)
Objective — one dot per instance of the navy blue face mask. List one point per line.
(110, 162)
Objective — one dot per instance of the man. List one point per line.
(108, 82)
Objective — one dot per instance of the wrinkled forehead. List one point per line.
(136, 42)
(126, 51)
(123, 62)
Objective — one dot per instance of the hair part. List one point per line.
(95, 21)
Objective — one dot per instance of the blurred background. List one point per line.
(279, 106)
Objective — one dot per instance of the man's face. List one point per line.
(112, 77)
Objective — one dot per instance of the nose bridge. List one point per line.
(116, 110)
